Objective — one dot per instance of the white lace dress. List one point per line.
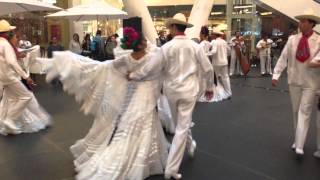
(126, 140)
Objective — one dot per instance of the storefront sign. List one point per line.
(56, 31)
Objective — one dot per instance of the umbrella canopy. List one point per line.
(98, 10)
(17, 6)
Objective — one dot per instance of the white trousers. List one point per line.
(234, 64)
(223, 78)
(303, 101)
(18, 97)
(318, 130)
(165, 114)
(181, 110)
(1, 91)
(265, 64)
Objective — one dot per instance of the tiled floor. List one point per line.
(246, 138)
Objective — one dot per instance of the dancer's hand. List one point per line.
(22, 55)
(274, 82)
(128, 76)
(30, 83)
(315, 64)
(209, 95)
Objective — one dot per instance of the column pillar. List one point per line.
(254, 27)
(229, 7)
(199, 17)
(139, 8)
(75, 27)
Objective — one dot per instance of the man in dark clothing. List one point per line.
(54, 46)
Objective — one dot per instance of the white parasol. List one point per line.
(17, 6)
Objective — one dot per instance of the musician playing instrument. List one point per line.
(234, 63)
(264, 47)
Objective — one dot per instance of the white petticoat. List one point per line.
(33, 119)
(219, 94)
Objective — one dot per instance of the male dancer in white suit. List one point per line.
(219, 53)
(180, 60)
(300, 49)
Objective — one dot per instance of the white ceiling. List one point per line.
(176, 2)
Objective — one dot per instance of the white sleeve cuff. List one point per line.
(276, 76)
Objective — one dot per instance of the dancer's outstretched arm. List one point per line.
(96, 85)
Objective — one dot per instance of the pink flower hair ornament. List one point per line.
(130, 38)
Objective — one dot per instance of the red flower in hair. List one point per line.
(130, 38)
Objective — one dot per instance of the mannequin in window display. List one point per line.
(179, 60)
(298, 51)
(19, 109)
(237, 40)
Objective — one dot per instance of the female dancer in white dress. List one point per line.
(126, 140)
(19, 109)
(219, 93)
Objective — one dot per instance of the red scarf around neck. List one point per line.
(303, 51)
(6, 37)
(180, 34)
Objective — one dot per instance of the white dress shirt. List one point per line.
(315, 74)
(265, 47)
(299, 74)
(219, 52)
(180, 60)
(206, 46)
(10, 70)
(234, 41)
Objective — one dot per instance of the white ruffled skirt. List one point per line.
(33, 118)
(219, 94)
(165, 114)
(133, 155)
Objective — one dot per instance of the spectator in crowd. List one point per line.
(97, 47)
(86, 50)
(162, 38)
(111, 44)
(54, 46)
(74, 45)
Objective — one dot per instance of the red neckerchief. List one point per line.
(6, 37)
(180, 34)
(303, 51)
